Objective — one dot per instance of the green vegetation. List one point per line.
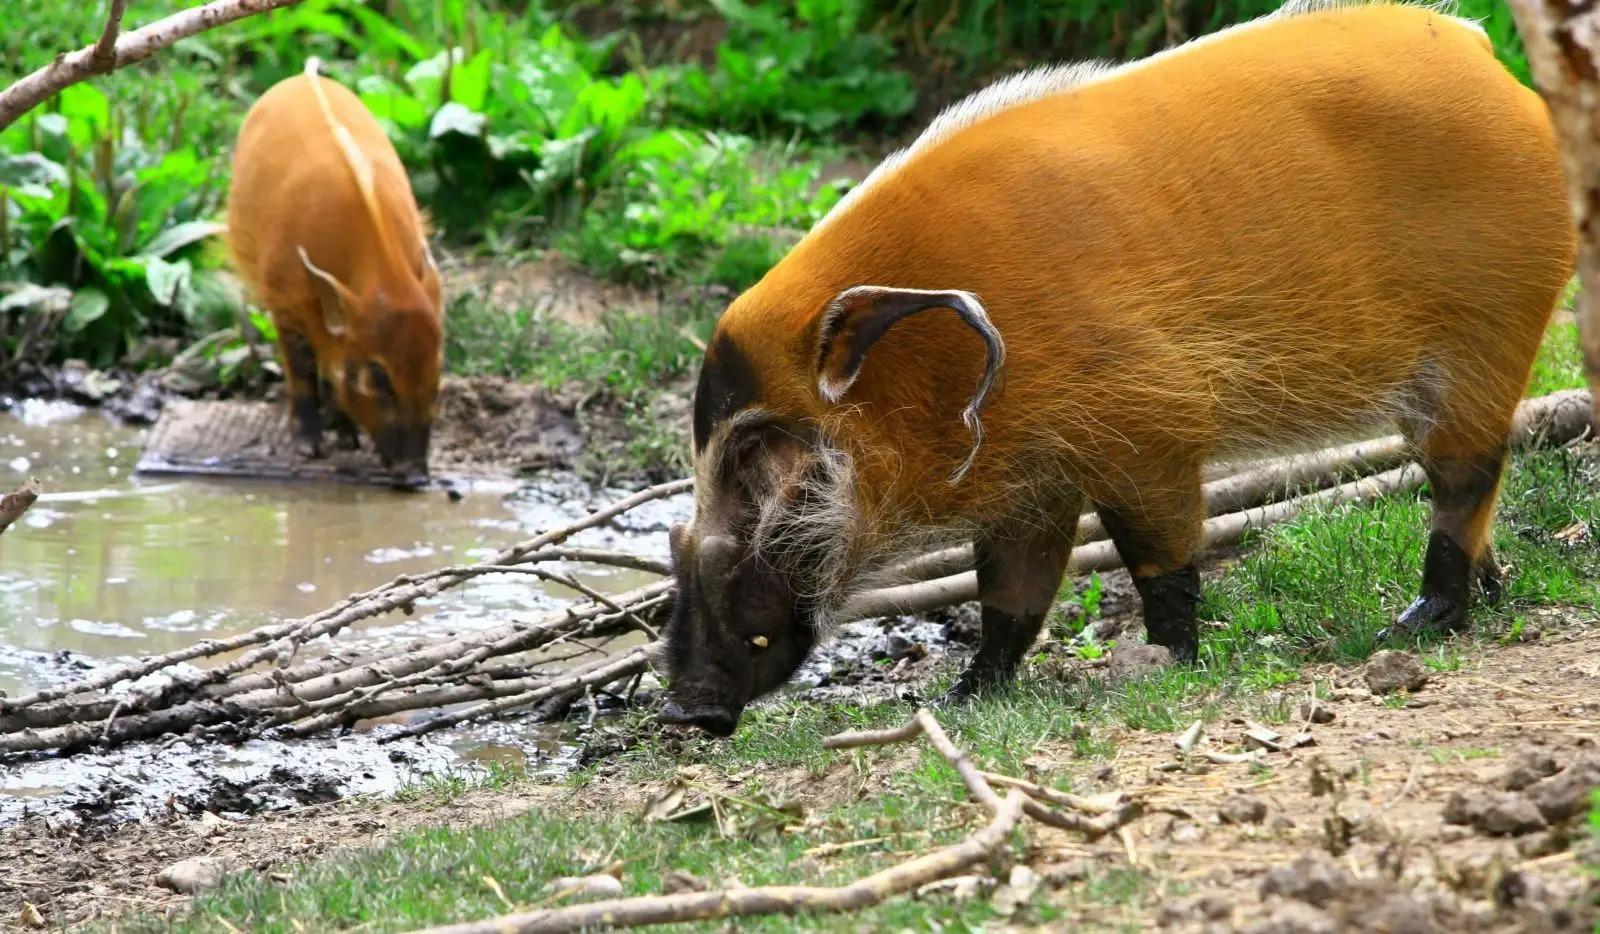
(659, 144)
(1310, 591)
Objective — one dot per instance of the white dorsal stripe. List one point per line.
(1048, 81)
(360, 165)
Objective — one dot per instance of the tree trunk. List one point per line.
(1563, 45)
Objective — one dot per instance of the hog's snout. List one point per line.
(715, 719)
(404, 452)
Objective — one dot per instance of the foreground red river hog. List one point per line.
(324, 230)
(1330, 219)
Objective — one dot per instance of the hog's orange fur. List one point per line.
(314, 172)
(1283, 233)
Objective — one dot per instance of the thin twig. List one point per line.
(69, 68)
(105, 51)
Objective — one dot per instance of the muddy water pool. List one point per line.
(109, 565)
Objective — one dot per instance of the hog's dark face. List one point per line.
(737, 631)
(742, 623)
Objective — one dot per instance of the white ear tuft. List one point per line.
(333, 318)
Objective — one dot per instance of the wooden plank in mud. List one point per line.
(236, 438)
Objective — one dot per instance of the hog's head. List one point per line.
(388, 349)
(771, 543)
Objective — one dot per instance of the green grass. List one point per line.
(1559, 364)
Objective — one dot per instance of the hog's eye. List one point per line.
(759, 642)
(380, 382)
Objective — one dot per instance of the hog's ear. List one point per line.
(761, 456)
(332, 295)
(857, 317)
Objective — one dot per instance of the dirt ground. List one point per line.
(1458, 806)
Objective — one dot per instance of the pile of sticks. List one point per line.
(266, 682)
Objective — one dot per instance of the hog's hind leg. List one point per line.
(1158, 537)
(1464, 488)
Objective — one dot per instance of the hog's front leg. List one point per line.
(300, 383)
(1019, 572)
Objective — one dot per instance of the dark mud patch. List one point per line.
(487, 428)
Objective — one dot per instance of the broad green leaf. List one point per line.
(168, 282)
(176, 238)
(382, 31)
(88, 306)
(469, 82)
(396, 106)
(88, 112)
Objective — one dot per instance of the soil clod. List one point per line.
(1528, 766)
(1566, 794)
(1497, 813)
(1313, 878)
(193, 876)
(1136, 661)
(1242, 809)
(1390, 671)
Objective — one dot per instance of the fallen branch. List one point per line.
(1025, 798)
(15, 503)
(112, 51)
(790, 899)
(977, 782)
(267, 706)
(763, 900)
(613, 668)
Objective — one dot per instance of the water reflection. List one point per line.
(109, 565)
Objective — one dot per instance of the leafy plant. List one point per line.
(88, 207)
(819, 69)
(675, 195)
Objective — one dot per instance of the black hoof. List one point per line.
(1184, 644)
(1426, 615)
(308, 449)
(958, 695)
(973, 681)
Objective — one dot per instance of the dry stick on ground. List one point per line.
(976, 780)
(399, 593)
(15, 503)
(517, 692)
(864, 893)
(790, 899)
(113, 51)
(1554, 419)
(763, 900)
(1562, 41)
